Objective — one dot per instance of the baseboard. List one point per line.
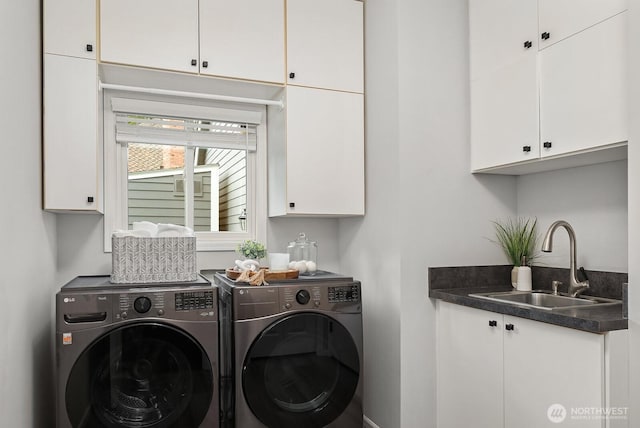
(368, 423)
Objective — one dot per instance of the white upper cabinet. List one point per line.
(69, 28)
(325, 44)
(72, 149)
(243, 39)
(560, 19)
(504, 115)
(583, 89)
(150, 33)
(548, 84)
(496, 42)
(316, 154)
(504, 82)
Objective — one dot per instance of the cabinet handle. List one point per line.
(90, 199)
(509, 327)
(194, 62)
(528, 44)
(292, 75)
(292, 204)
(493, 323)
(545, 35)
(547, 144)
(89, 47)
(205, 64)
(526, 148)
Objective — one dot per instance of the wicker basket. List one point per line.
(150, 260)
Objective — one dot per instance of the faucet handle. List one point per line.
(583, 272)
(554, 286)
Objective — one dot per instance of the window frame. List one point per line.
(115, 161)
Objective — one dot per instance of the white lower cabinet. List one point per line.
(496, 370)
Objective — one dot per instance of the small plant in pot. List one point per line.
(518, 238)
(253, 250)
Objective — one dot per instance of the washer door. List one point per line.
(138, 376)
(302, 371)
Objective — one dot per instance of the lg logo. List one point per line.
(556, 413)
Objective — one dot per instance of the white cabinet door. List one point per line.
(325, 152)
(71, 148)
(325, 41)
(69, 28)
(504, 115)
(469, 374)
(504, 88)
(583, 89)
(546, 365)
(243, 39)
(150, 33)
(498, 34)
(563, 18)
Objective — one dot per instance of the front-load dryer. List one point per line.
(293, 353)
(137, 356)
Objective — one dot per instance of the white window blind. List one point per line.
(150, 122)
(184, 132)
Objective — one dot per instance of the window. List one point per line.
(197, 165)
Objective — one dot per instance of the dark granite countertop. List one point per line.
(456, 289)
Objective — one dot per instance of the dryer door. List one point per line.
(141, 375)
(302, 371)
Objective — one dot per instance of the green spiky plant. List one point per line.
(518, 238)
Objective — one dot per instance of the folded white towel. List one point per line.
(171, 230)
(146, 229)
(135, 233)
(152, 228)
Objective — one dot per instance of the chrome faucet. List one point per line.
(575, 287)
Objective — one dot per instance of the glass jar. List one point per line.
(303, 255)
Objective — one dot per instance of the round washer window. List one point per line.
(140, 376)
(302, 371)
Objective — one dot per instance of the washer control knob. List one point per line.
(124, 315)
(142, 305)
(287, 305)
(160, 312)
(303, 297)
(316, 303)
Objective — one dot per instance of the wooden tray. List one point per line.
(268, 275)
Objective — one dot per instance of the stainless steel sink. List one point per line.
(542, 299)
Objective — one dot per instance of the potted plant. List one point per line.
(518, 238)
(252, 250)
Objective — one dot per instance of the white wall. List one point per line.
(593, 199)
(27, 253)
(451, 210)
(423, 208)
(369, 246)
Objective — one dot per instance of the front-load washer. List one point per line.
(293, 353)
(137, 356)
